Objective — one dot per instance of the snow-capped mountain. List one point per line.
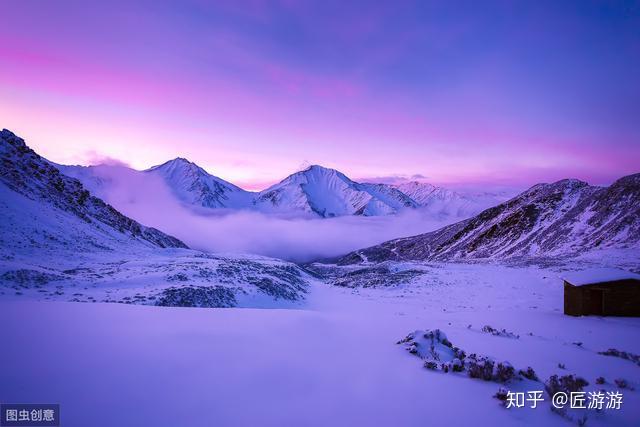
(442, 202)
(194, 186)
(425, 193)
(188, 182)
(329, 193)
(564, 218)
(60, 242)
(315, 191)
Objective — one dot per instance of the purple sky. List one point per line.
(512, 92)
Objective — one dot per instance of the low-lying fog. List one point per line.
(147, 199)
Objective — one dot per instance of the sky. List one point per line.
(456, 92)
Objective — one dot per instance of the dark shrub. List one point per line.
(480, 368)
(621, 382)
(502, 395)
(457, 365)
(459, 354)
(621, 354)
(565, 384)
(431, 365)
(529, 374)
(504, 372)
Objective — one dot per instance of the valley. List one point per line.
(137, 314)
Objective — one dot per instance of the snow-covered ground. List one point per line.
(167, 277)
(330, 360)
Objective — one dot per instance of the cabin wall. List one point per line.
(617, 298)
(622, 299)
(572, 300)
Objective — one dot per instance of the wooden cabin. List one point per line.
(602, 292)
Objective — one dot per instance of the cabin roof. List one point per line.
(597, 275)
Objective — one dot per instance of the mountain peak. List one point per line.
(179, 163)
(12, 139)
(6, 133)
(633, 180)
(570, 182)
(180, 160)
(561, 185)
(195, 186)
(319, 169)
(314, 173)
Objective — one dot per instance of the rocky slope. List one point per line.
(28, 174)
(563, 218)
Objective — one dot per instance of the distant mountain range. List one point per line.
(567, 217)
(315, 191)
(51, 221)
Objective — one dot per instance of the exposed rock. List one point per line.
(197, 296)
(25, 172)
(564, 218)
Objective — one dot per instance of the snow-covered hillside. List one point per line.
(58, 241)
(565, 218)
(31, 186)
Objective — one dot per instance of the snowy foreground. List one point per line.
(331, 360)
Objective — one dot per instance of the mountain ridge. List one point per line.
(565, 217)
(316, 191)
(35, 178)
(194, 185)
(329, 193)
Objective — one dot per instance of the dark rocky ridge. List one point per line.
(567, 217)
(25, 172)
